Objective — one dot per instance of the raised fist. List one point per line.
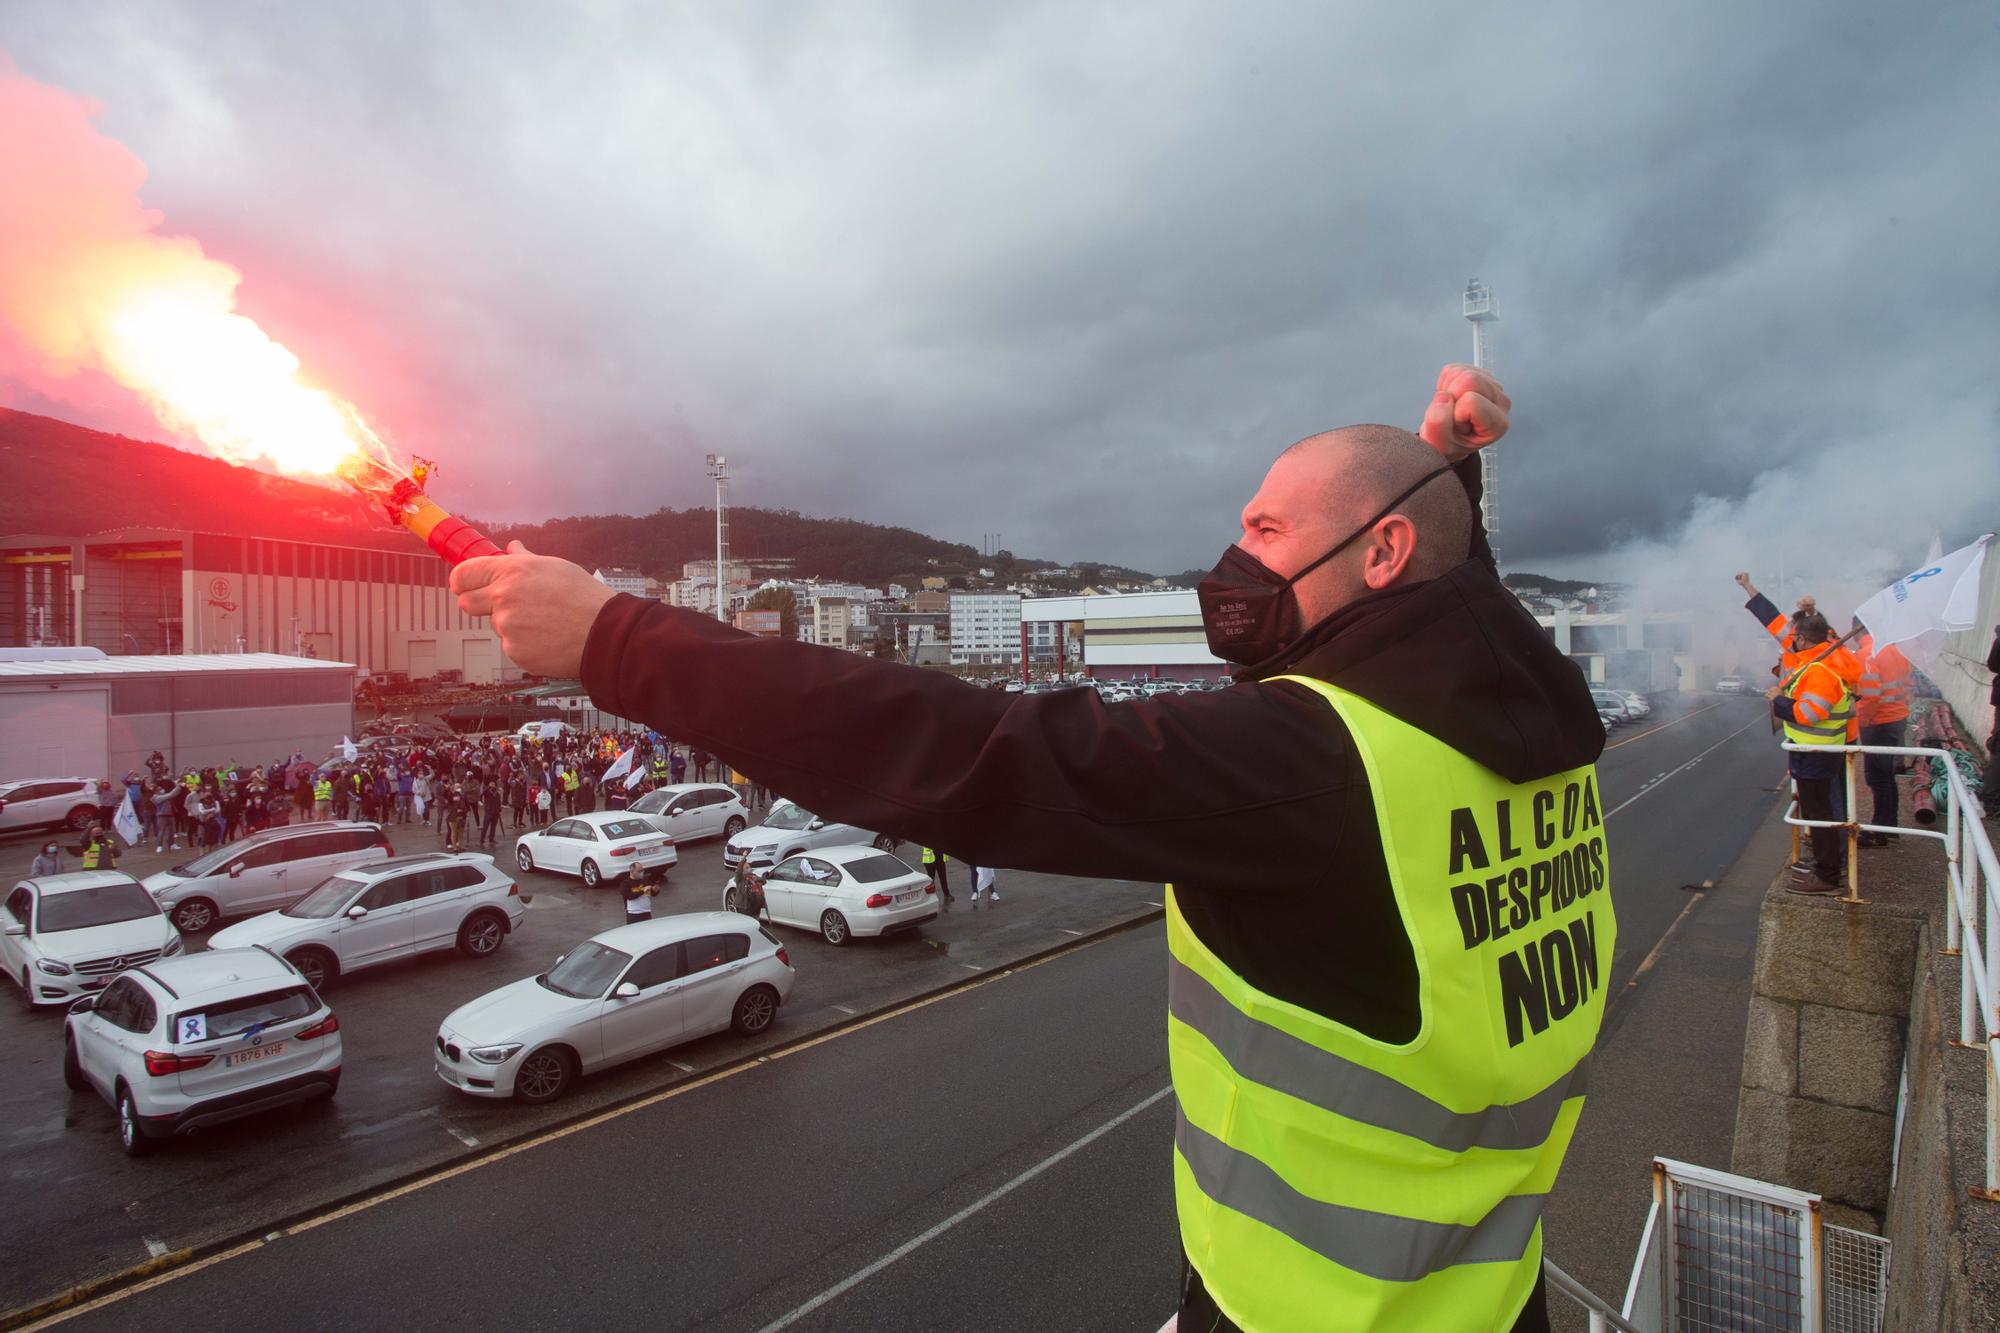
(1743, 582)
(1468, 412)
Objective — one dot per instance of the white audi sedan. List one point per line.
(842, 892)
(790, 828)
(605, 842)
(621, 994)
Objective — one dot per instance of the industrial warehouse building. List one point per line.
(155, 590)
(94, 716)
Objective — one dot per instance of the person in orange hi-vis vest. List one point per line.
(1814, 704)
(1784, 629)
(1882, 709)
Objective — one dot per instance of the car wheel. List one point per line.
(72, 1067)
(884, 843)
(131, 1134)
(194, 915)
(755, 1008)
(729, 899)
(591, 875)
(524, 858)
(544, 1076)
(833, 927)
(733, 827)
(81, 818)
(481, 935)
(315, 965)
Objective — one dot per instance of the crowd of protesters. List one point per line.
(470, 789)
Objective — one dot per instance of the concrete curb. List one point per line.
(162, 1265)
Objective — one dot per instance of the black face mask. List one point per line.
(1250, 613)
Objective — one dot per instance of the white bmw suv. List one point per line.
(194, 1041)
(387, 910)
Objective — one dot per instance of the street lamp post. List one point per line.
(718, 470)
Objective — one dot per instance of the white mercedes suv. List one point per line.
(194, 1041)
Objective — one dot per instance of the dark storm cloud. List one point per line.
(1077, 278)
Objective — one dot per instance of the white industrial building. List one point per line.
(625, 580)
(96, 716)
(985, 629)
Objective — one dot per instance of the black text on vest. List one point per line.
(1532, 886)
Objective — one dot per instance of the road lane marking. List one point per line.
(181, 1263)
(1661, 780)
(1067, 931)
(685, 1069)
(1663, 726)
(467, 1139)
(974, 967)
(845, 1010)
(847, 1284)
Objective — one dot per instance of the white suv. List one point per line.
(42, 802)
(189, 1042)
(388, 910)
(691, 810)
(269, 869)
(62, 936)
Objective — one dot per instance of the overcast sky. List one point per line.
(1012, 268)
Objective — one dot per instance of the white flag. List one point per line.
(1919, 610)
(126, 821)
(347, 750)
(620, 766)
(634, 778)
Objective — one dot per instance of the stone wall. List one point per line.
(1823, 1052)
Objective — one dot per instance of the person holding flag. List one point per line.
(1882, 708)
(1816, 707)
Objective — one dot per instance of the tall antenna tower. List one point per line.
(718, 470)
(1479, 309)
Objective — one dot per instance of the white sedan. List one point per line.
(622, 994)
(606, 842)
(842, 892)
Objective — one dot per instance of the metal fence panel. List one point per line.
(1857, 1281)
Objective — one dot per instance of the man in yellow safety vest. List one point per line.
(1389, 926)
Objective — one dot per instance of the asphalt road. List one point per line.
(769, 1188)
(60, 1161)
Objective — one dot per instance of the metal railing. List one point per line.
(1972, 917)
(1722, 1253)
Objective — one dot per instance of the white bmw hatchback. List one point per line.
(605, 842)
(842, 892)
(620, 995)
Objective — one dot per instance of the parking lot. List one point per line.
(78, 1209)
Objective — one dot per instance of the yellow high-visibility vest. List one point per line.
(1325, 1179)
(1822, 685)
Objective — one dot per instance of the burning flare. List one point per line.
(88, 283)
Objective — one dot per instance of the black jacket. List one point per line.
(1251, 800)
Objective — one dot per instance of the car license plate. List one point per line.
(650, 848)
(909, 897)
(253, 1055)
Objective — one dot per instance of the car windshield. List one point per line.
(614, 829)
(875, 869)
(788, 817)
(80, 909)
(587, 972)
(326, 899)
(653, 802)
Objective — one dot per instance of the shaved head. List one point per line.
(1361, 468)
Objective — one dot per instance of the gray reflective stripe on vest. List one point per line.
(1260, 1053)
(1378, 1245)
